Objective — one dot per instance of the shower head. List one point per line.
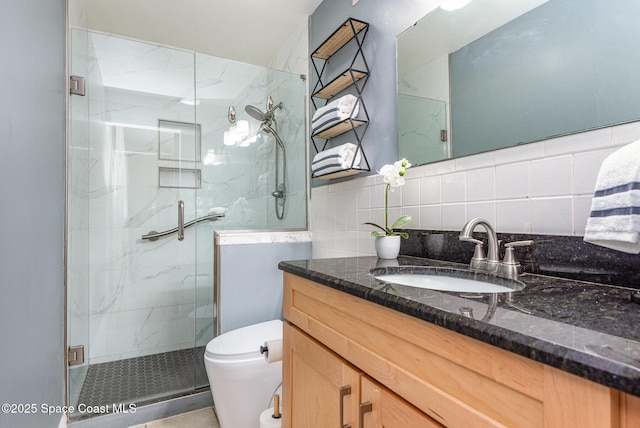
(256, 113)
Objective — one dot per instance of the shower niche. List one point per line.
(179, 154)
(340, 120)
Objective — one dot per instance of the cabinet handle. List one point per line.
(344, 390)
(180, 220)
(366, 407)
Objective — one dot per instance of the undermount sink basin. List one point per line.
(446, 279)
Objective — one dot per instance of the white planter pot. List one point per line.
(388, 247)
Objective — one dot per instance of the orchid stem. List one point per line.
(386, 207)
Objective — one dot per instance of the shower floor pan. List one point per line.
(143, 380)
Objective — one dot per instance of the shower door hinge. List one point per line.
(444, 135)
(75, 355)
(76, 85)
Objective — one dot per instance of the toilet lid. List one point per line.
(245, 340)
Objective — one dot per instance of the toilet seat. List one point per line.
(242, 381)
(243, 343)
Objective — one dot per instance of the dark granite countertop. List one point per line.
(588, 329)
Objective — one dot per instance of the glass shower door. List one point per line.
(134, 170)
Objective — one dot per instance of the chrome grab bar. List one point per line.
(153, 235)
(180, 220)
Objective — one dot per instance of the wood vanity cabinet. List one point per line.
(326, 391)
(350, 361)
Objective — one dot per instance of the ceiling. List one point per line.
(250, 31)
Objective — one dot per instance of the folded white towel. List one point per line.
(615, 210)
(334, 112)
(344, 156)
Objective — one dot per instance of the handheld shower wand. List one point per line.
(267, 118)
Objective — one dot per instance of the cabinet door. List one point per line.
(381, 408)
(320, 390)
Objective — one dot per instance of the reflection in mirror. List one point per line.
(422, 122)
(510, 73)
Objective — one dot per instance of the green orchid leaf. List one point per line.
(405, 219)
(375, 225)
(403, 234)
(377, 234)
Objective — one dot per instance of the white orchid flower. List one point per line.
(393, 176)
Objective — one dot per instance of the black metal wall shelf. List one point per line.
(355, 78)
(340, 83)
(339, 38)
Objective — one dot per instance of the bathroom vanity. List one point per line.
(362, 353)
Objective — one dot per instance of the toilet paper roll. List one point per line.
(274, 350)
(268, 421)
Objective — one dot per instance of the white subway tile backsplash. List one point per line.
(543, 187)
(345, 199)
(439, 168)
(625, 134)
(395, 196)
(363, 198)
(431, 190)
(364, 216)
(454, 187)
(351, 242)
(585, 170)
(520, 153)
(552, 216)
(339, 219)
(377, 217)
(454, 216)
(413, 173)
(430, 217)
(365, 243)
(481, 160)
(513, 216)
(376, 195)
(486, 210)
(413, 211)
(551, 176)
(330, 243)
(581, 211)
(411, 192)
(512, 181)
(481, 184)
(578, 142)
(394, 214)
(351, 220)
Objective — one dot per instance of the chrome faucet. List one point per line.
(479, 261)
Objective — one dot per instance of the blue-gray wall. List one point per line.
(32, 156)
(386, 20)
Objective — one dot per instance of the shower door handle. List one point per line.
(180, 220)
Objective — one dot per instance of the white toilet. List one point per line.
(242, 382)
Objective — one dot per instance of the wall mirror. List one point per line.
(497, 73)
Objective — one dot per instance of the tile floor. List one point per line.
(203, 418)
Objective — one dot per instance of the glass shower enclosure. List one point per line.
(146, 149)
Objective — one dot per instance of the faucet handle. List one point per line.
(478, 253)
(469, 239)
(519, 243)
(509, 258)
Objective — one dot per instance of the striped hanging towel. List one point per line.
(614, 221)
